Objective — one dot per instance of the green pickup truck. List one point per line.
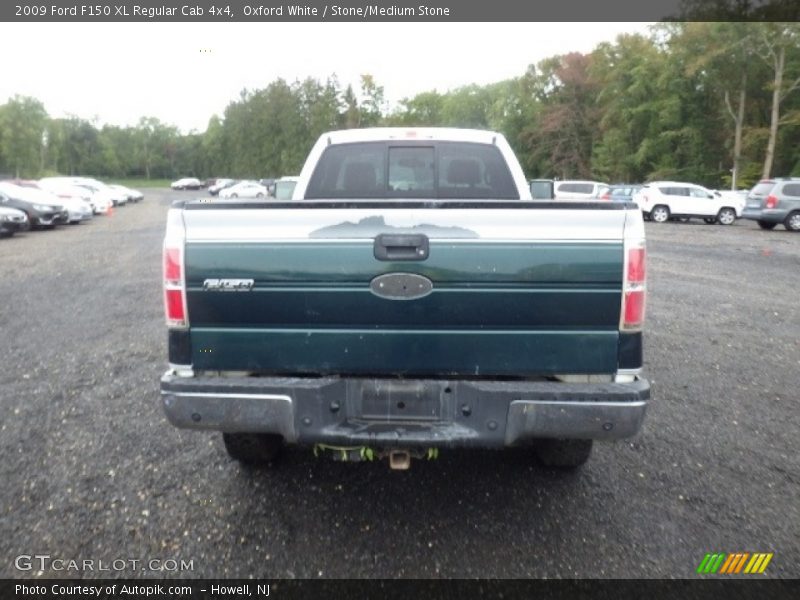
(410, 297)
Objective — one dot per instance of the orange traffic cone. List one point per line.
(110, 211)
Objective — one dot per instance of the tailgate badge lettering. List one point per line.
(228, 285)
(401, 286)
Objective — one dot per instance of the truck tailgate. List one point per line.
(516, 290)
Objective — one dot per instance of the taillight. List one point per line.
(174, 288)
(772, 201)
(634, 290)
(636, 267)
(606, 196)
(172, 264)
(174, 302)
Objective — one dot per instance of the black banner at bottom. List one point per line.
(389, 589)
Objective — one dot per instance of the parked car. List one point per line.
(542, 189)
(117, 197)
(102, 201)
(220, 185)
(623, 192)
(63, 191)
(664, 200)
(131, 194)
(578, 190)
(26, 183)
(284, 187)
(187, 183)
(41, 214)
(12, 220)
(774, 201)
(78, 210)
(102, 196)
(603, 192)
(77, 207)
(740, 194)
(244, 189)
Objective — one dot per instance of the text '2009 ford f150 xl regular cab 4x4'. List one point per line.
(410, 297)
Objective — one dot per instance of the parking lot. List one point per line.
(92, 470)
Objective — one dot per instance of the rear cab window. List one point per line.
(412, 170)
(385, 170)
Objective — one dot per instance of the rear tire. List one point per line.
(660, 214)
(766, 225)
(253, 448)
(563, 454)
(792, 222)
(726, 216)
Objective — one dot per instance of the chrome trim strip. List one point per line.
(629, 371)
(277, 397)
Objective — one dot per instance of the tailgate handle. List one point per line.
(390, 246)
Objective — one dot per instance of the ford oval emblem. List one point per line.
(401, 286)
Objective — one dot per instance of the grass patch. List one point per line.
(140, 183)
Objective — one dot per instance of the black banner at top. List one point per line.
(396, 10)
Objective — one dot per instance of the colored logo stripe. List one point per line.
(758, 564)
(729, 564)
(734, 563)
(732, 558)
(711, 563)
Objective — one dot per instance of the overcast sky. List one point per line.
(183, 73)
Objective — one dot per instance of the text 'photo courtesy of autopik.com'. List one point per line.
(438, 299)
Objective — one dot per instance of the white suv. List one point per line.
(662, 200)
(578, 190)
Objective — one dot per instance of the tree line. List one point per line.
(716, 103)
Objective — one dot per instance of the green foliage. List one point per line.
(23, 123)
(422, 110)
(372, 102)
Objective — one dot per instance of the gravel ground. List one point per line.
(92, 470)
